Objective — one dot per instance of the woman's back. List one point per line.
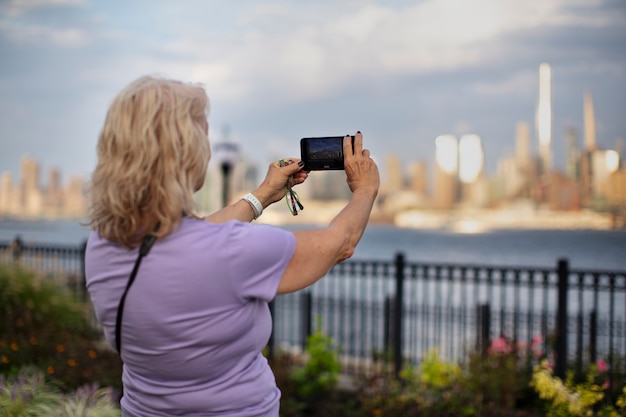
(195, 318)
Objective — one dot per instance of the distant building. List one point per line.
(572, 154)
(27, 198)
(446, 172)
(395, 176)
(53, 196)
(616, 188)
(31, 196)
(563, 193)
(589, 120)
(418, 178)
(544, 118)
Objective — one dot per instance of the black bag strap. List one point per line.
(145, 247)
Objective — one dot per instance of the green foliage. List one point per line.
(575, 399)
(436, 374)
(310, 387)
(491, 384)
(499, 378)
(26, 394)
(320, 373)
(45, 327)
(433, 389)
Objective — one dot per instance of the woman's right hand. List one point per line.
(361, 170)
(318, 250)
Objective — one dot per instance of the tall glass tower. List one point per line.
(544, 117)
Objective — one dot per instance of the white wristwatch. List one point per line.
(254, 203)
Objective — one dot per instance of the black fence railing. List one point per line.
(383, 314)
(387, 312)
(62, 263)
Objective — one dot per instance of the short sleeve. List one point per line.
(258, 257)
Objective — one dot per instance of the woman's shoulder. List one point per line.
(232, 229)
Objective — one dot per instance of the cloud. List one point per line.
(331, 48)
(16, 8)
(24, 22)
(43, 35)
(276, 68)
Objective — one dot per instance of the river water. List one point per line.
(585, 249)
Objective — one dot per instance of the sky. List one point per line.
(402, 72)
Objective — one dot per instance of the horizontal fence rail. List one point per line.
(384, 314)
(379, 312)
(63, 263)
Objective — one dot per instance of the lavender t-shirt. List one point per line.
(195, 319)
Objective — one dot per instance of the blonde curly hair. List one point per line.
(153, 153)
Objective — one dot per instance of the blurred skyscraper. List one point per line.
(28, 198)
(446, 171)
(544, 118)
(30, 193)
(589, 122)
(395, 176)
(471, 171)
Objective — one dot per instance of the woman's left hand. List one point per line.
(272, 189)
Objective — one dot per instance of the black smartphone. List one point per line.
(323, 153)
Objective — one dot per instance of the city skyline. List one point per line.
(470, 160)
(402, 72)
(593, 175)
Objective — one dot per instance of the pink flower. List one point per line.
(499, 346)
(602, 366)
(537, 341)
(537, 346)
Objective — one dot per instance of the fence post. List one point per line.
(16, 248)
(306, 300)
(593, 336)
(561, 320)
(398, 316)
(388, 324)
(483, 335)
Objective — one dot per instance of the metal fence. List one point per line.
(382, 314)
(382, 311)
(62, 263)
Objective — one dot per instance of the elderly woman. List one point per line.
(183, 298)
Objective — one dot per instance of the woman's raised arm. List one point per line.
(319, 250)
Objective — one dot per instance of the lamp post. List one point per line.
(226, 156)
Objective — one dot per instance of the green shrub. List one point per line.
(309, 384)
(319, 376)
(45, 327)
(568, 398)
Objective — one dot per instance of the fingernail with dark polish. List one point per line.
(358, 131)
(301, 163)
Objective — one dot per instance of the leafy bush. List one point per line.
(568, 398)
(488, 385)
(499, 378)
(309, 384)
(45, 327)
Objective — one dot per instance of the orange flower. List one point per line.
(71, 362)
(50, 370)
(92, 354)
(4, 359)
(60, 348)
(33, 340)
(14, 347)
